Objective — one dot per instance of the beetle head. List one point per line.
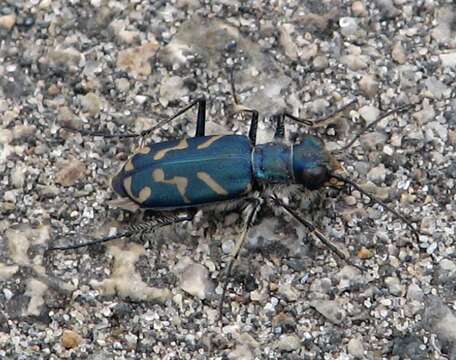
(312, 164)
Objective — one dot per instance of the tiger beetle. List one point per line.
(193, 172)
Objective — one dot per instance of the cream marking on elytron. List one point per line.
(143, 195)
(208, 142)
(144, 150)
(213, 185)
(179, 181)
(181, 146)
(129, 165)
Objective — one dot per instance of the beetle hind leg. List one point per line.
(140, 229)
(200, 124)
(243, 109)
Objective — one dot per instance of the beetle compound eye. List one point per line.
(314, 178)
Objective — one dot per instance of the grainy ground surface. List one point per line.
(117, 66)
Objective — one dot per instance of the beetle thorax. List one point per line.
(272, 163)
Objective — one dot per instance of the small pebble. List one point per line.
(71, 171)
(8, 294)
(415, 293)
(288, 342)
(91, 103)
(330, 309)
(7, 21)
(448, 59)
(136, 60)
(377, 174)
(172, 88)
(350, 200)
(227, 246)
(349, 26)
(359, 9)
(364, 253)
(320, 62)
(70, 339)
(194, 280)
(288, 291)
(387, 8)
(398, 53)
(394, 285)
(355, 348)
(368, 85)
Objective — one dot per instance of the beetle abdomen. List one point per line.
(187, 172)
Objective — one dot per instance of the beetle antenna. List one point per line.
(379, 202)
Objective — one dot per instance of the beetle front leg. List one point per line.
(253, 211)
(279, 119)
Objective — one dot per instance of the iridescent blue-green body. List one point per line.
(192, 172)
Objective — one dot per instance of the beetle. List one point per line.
(194, 172)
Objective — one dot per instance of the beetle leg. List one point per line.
(253, 211)
(314, 231)
(344, 107)
(146, 227)
(253, 123)
(280, 124)
(253, 126)
(200, 119)
(200, 124)
(279, 133)
(133, 229)
(242, 109)
(280, 117)
(295, 118)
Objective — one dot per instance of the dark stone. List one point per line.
(409, 346)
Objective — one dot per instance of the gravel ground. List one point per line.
(117, 66)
